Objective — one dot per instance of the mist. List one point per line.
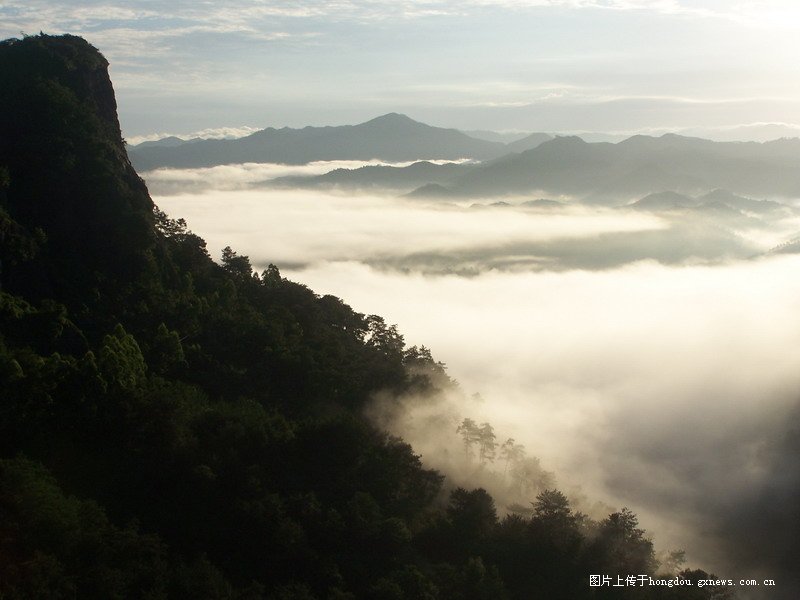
(648, 360)
(170, 181)
(300, 228)
(665, 389)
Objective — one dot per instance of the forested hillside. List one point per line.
(171, 427)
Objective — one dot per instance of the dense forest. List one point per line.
(176, 427)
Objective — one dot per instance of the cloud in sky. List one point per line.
(184, 66)
(210, 133)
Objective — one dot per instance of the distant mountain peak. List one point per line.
(560, 144)
(390, 137)
(568, 139)
(667, 200)
(529, 142)
(393, 118)
(677, 137)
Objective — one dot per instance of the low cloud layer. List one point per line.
(670, 390)
(667, 385)
(167, 181)
(214, 133)
(301, 228)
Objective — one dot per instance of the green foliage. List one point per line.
(56, 546)
(120, 360)
(166, 353)
(238, 266)
(552, 505)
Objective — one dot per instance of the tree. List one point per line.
(486, 443)
(551, 505)
(427, 374)
(166, 352)
(383, 337)
(121, 362)
(171, 228)
(271, 276)
(473, 518)
(622, 546)
(511, 453)
(236, 265)
(470, 434)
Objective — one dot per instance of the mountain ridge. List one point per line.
(603, 172)
(390, 137)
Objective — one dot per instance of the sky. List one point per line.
(545, 65)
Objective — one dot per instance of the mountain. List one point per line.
(744, 204)
(391, 137)
(596, 136)
(664, 201)
(515, 142)
(562, 165)
(616, 173)
(378, 177)
(167, 142)
(430, 191)
(69, 177)
(529, 142)
(509, 172)
(719, 201)
(718, 207)
(603, 173)
(503, 137)
(756, 132)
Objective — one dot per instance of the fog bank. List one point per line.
(665, 379)
(671, 390)
(168, 181)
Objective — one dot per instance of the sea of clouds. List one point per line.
(647, 361)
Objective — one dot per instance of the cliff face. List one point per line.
(68, 180)
(68, 61)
